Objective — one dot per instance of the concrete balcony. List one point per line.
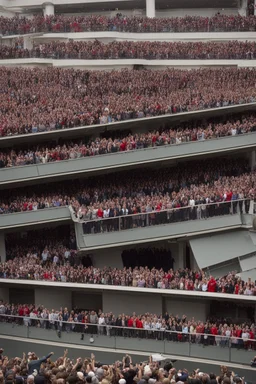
(117, 64)
(32, 218)
(109, 233)
(124, 160)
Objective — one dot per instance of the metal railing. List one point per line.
(226, 348)
(137, 28)
(148, 149)
(173, 215)
(128, 55)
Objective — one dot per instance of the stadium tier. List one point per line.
(127, 191)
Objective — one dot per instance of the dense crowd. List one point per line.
(60, 23)
(55, 262)
(148, 50)
(60, 241)
(214, 331)
(31, 369)
(37, 100)
(183, 133)
(52, 256)
(131, 192)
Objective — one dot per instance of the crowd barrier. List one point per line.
(205, 345)
(173, 215)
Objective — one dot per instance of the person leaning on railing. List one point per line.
(148, 326)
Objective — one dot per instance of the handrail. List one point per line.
(130, 151)
(37, 210)
(207, 28)
(28, 319)
(59, 55)
(228, 109)
(168, 211)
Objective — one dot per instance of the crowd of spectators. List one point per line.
(38, 100)
(58, 264)
(134, 192)
(29, 369)
(148, 50)
(60, 241)
(52, 256)
(147, 325)
(127, 141)
(19, 25)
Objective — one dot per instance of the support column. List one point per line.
(2, 248)
(48, 9)
(150, 8)
(254, 7)
(181, 255)
(243, 9)
(27, 42)
(253, 160)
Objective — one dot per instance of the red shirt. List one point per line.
(130, 323)
(100, 213)
(229, 196)
(212, 285)
(123, 146)
(139, 324)
(26, 311)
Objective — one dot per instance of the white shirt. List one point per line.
(101, 320)
(106, 213)
(245, 335)
(55, 259)
(204, 287)
(66, 254)
(44, 256)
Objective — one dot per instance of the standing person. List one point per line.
(93, 320)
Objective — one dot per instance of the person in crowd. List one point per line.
(87, 370)
(149, 50)
(19, 25)
(34, 363)
(156, 190)
(147, 325)
(143, 267)
(80, 97)
(76, 149)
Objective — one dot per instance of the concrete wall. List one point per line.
(53, 298)
(129, 303)
(108, 258)
(160, 232)
(87, 300)
(23, 219)
(125, 159)
(118, 64)
(198, 309)
(4, 294)
(2, 248)
(109, 36)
